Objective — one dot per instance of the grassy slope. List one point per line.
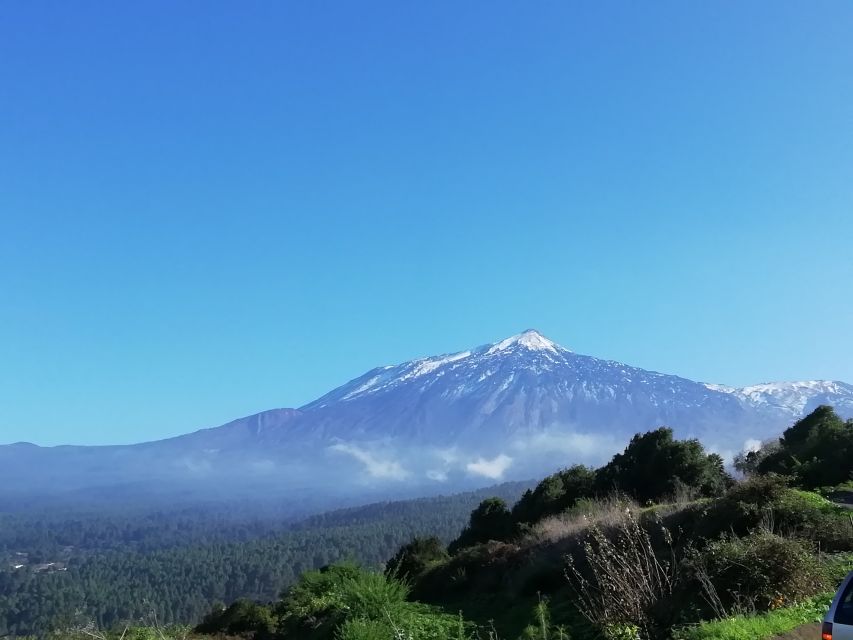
(759, 627)
(508, 617)
(510, 608)
(772, 623)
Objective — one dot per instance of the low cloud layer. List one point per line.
(574, 447)
(438, 475)
(493, 469)
(524, 457)
(373, 465)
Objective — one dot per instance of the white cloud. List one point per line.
(437, 474)
(376, 468)
(726, 454)
(587, 447)
(447, 456)
(752, 445)
(493, 468)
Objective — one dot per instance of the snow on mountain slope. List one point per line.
(528, 397)
(527, 382)
(794, 399)
(426, 371)
(507, 408)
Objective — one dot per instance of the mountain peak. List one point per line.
(530, 339)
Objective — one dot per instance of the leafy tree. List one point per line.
(655, 465)
(816, 451)
(748, 462)
(555, 494)
(412, 559)
(491, 520)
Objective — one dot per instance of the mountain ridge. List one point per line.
(500, 411)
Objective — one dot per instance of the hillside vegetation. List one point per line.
(658, 543)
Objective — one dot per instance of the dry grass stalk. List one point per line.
(623, 579)
(604, 513)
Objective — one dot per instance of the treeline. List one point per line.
(654, 467)
(121, 571)
(817, 451)
(46, 535)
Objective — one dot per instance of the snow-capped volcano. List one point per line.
(526, 349)
(528, 398)
(530, 339)
(515, 408)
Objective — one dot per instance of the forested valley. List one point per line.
(72, 568)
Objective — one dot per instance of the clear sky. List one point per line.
(209, 209)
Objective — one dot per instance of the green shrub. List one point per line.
(367, 594)
(491, 520)
(416, 557)
(766, 502)
(622, 632)
(242, 616)
(759, 572)
(350, 603)
(154, 632)
(360, 629)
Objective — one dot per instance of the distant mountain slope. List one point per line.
(793, 399)
(509, 410)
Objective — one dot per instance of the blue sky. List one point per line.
(210, 209)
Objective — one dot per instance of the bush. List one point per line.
(368, 593)
(364, 630)
(621, 582)
(759, 572)
(416, 557)
(766, 502)
(603, 512)
(349, 603)
(242, 616)
(491, 520)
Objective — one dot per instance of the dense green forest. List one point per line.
(110, 568)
